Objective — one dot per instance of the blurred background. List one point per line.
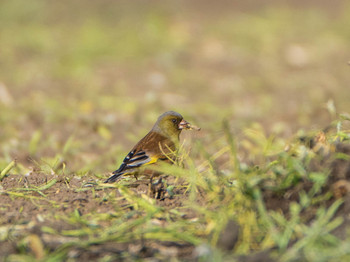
(84, 80)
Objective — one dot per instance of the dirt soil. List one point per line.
(72, 194)
(28, 215)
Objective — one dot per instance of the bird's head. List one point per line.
(172, 123)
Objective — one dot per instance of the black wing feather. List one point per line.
(128, 164)
(120, 171)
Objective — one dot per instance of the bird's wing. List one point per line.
(148, 150)
(136, 159)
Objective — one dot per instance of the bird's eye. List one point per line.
(174, 120)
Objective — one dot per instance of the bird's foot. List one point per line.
(156, 190)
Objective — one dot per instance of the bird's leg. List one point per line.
(150, 186)
(160, 188)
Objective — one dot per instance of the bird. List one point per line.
(160, 144)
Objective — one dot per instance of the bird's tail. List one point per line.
(116, 175)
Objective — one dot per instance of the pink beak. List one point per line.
(185, 125)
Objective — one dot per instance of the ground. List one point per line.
(267, 177)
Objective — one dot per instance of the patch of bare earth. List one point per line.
(25, 212)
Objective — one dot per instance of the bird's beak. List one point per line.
(185, 125)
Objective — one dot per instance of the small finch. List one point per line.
(160, 144)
